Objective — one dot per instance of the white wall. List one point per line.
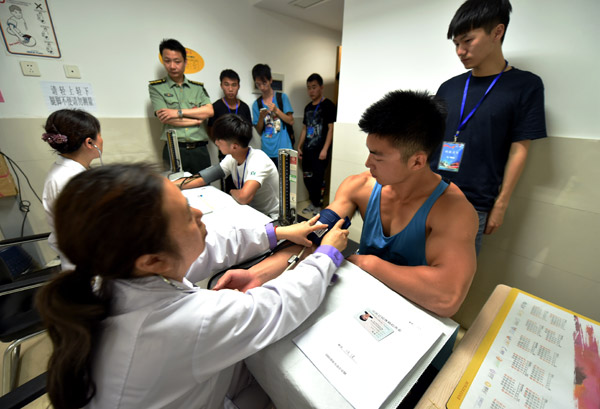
(390, 44)
(115, 45)
(548, 244)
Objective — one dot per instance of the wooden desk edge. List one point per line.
(440, 390)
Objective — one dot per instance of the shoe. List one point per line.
(316, 210)
(309, 209)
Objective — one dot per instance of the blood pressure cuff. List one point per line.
(330, 218)
(211, 174)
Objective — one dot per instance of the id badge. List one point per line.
(269, 131)
(451, 156)
(374, 325)
(310, 131)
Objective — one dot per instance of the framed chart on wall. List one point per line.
(27, 28)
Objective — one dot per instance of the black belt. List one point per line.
(192, 145)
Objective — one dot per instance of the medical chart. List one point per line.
(366, 348)
(535, 356)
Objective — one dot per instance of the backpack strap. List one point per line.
(290, 128)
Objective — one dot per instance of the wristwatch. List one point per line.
(179, 113)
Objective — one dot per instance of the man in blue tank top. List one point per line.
(419, 232)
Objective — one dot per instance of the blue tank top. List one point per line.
(406, 248)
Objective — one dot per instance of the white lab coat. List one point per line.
(164, 347)
(62, 171)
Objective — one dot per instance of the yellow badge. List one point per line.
(195, 62)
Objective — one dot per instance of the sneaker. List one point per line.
(309, 209)
(316, 210)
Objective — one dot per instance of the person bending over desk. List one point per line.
(418, 233)
(254, 175)
(128, 328)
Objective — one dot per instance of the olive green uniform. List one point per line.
(165, 93)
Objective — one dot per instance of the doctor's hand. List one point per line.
(337, 237)
(238, 279)
(297, 232)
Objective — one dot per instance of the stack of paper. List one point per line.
(366, 348)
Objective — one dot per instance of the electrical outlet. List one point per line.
(30, 69)
(72, 71)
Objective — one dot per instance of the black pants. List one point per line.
(192, 160)
(314, 175)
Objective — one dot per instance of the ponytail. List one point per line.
(105, 219)
(72, 312)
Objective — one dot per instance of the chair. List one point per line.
(19, 320)
(24, 394)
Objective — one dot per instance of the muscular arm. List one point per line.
(260, 273)
(246, 193)
(512, 172)
(273, 266)
(442, 285)
(345, 202)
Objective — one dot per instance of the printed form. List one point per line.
(366, 348)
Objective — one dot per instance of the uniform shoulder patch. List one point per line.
(160, 81)
(197, 83)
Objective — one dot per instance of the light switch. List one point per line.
(30, 69)
(72, 71)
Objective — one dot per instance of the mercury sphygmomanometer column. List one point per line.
(288, 186)
(175, 169)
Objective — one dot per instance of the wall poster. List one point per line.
(27, 28)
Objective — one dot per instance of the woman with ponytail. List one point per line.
(75, 137)
(128, 328)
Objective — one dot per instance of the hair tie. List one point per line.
(54, 138)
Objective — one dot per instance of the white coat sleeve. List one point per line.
(240, 324)
(226, 248)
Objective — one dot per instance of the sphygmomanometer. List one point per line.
(330, 218)
(209, 175)
(327, 217)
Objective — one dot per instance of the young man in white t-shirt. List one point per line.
(254, 175)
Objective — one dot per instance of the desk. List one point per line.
(440, 390)
(292, 381)
(220, 209)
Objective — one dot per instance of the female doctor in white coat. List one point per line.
(75, 137)
(128, 328)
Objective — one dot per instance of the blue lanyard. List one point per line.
(462, 122)
(317, 108)
(227, 105)
(241, 184)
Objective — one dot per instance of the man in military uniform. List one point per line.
(182, 105)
